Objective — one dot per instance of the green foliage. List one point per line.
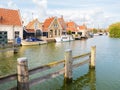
(95, 30)
(69, 32)
(114, 30)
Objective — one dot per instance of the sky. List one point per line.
(93, 13)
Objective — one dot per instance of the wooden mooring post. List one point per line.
(23, 77)
(92, 57)
(68, 66)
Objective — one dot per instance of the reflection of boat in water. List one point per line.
(33, 41)
(64, 38)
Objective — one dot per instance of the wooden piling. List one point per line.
(23, 77)
(93, 57)
(68, 66)
(15, 50)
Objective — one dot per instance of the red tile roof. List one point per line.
(10, 17)
(71, 26)
(30, 27)
(82, 27)
(30, 30)
(62, 23)
(47, 23)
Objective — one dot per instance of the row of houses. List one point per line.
(11, 23)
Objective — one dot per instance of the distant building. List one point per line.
(83, 31)
(72, 26)
(10, 22)
(33, 28)
(52, 27)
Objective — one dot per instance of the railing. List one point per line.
(22, 76)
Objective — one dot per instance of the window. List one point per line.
(16, 34)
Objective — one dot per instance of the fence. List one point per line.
(22, 76)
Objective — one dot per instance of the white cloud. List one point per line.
(11, 5)
(41, 7)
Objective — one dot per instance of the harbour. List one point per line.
(107, 63)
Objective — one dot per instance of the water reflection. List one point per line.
(85, 82)
(7, 63)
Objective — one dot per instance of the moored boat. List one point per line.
(64, 38)
(33, 41)
(24, 42)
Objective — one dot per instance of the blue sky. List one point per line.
(94, 13)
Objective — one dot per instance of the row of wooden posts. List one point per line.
(22, 76)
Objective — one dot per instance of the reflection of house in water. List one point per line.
(34, 28)
(86, 81)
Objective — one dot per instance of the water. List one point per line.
(106, 76)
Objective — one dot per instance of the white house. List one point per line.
(11, 23)
(82, 30)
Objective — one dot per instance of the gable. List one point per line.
(55, 24)
(35, 24)
(10, 17)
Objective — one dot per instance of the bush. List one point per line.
(69, 32)
(114, 30)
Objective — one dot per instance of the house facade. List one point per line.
(33, 28)
(72, 26)
(11, 23)
(83, 31)
(52, 27)
(63, 25)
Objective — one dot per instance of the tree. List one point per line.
(95, 30)
(69, 32)
(114, 30)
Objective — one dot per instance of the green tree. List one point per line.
(69, 32)
(95, 30)
(114, 30)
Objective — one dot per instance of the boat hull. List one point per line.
(64, 38)
(33, 43)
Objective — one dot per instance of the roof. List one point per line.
(10, 17)
(30, 30)
(31, 24)
(72, 26)
(82, 27)
(47, 23)
(30, 27)
(62, 23)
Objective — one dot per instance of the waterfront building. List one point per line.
(52, 27)
(72, 26)
(33, 28)
(11, 23)
(63, 25)
(83, 31)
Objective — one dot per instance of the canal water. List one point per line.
(106, 76)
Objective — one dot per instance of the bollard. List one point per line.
(93, 57)
(15, 50)
(68, 66)
(23, 77)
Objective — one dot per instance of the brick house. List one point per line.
(52, 27)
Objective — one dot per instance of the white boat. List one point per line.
(24, 42)
(64, 38)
